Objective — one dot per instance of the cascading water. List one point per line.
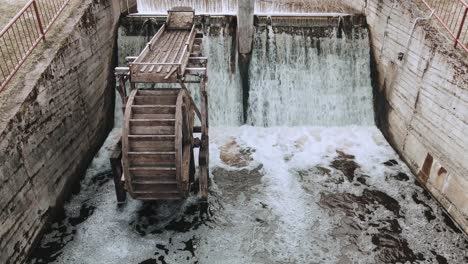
(201, 6)
(280, 194)
(230, 6)
(296, 79)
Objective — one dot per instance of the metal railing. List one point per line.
(452, 14)
(25, 31)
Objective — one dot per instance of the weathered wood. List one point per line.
(159, 124)
(194, 106)
(152, 122)
(155, 100)
(152, 130)
(166, 55)
(180, 18)
(151, 159)
(153, 116)
(116, 164)
(155, 92)
(151, 145)
(125, 142)
(178, 139)
(153, 109)
(204, 148)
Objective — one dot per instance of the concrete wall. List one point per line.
(422, 100)
(53, 120)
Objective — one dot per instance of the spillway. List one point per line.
(300, 173)
(339, 136)
(261, 6)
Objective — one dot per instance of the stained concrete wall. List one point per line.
(53, 120)
(422, 99)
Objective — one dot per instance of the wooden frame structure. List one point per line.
(155, 159)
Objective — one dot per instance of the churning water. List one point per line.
(284, 189)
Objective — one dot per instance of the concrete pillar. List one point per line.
(245, 25)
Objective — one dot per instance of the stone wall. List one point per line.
(53, 119)
(422, 99)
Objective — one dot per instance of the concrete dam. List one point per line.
(233, 131)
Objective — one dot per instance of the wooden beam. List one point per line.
(204, 148)
(116, 164)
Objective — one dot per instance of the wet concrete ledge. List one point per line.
(53, 119)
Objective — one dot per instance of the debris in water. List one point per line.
(234, 155)
(149, 261)
(346, 164)
(190, 246)
(234, 182)
(391, 163)
(401, 176)
(163, 248)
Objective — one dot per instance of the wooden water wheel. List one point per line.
(157, 144)
(156, 158)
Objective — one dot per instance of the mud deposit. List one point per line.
(278, 195)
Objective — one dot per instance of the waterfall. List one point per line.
(297, 76)
(224, 84)
(296, 79)
(200, 6)
(230, 6)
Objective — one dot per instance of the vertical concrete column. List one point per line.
(245, 25)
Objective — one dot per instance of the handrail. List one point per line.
(453, 16)
(23, 34)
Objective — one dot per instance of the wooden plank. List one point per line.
(154, 172)
(152, 137)
(155, 187)
(153, 109)
(116, 165)
(184, 59)
(146, 49)
(152, 130)
(125, 142)
(155, 92)
(150, 145)
(195, 108)
(178, 139)
(204, 148)
(186, 167)
(153, 116)
(154, 181)
(165, 49)
(155, 197)
(152, 122)
(157, 193)
(175, 57)
(180, 19)
(172, 46)
(149, 49)
(156, 100)
(151, 160)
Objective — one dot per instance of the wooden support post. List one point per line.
(204, 148)
(122, 91)
(116, 164)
